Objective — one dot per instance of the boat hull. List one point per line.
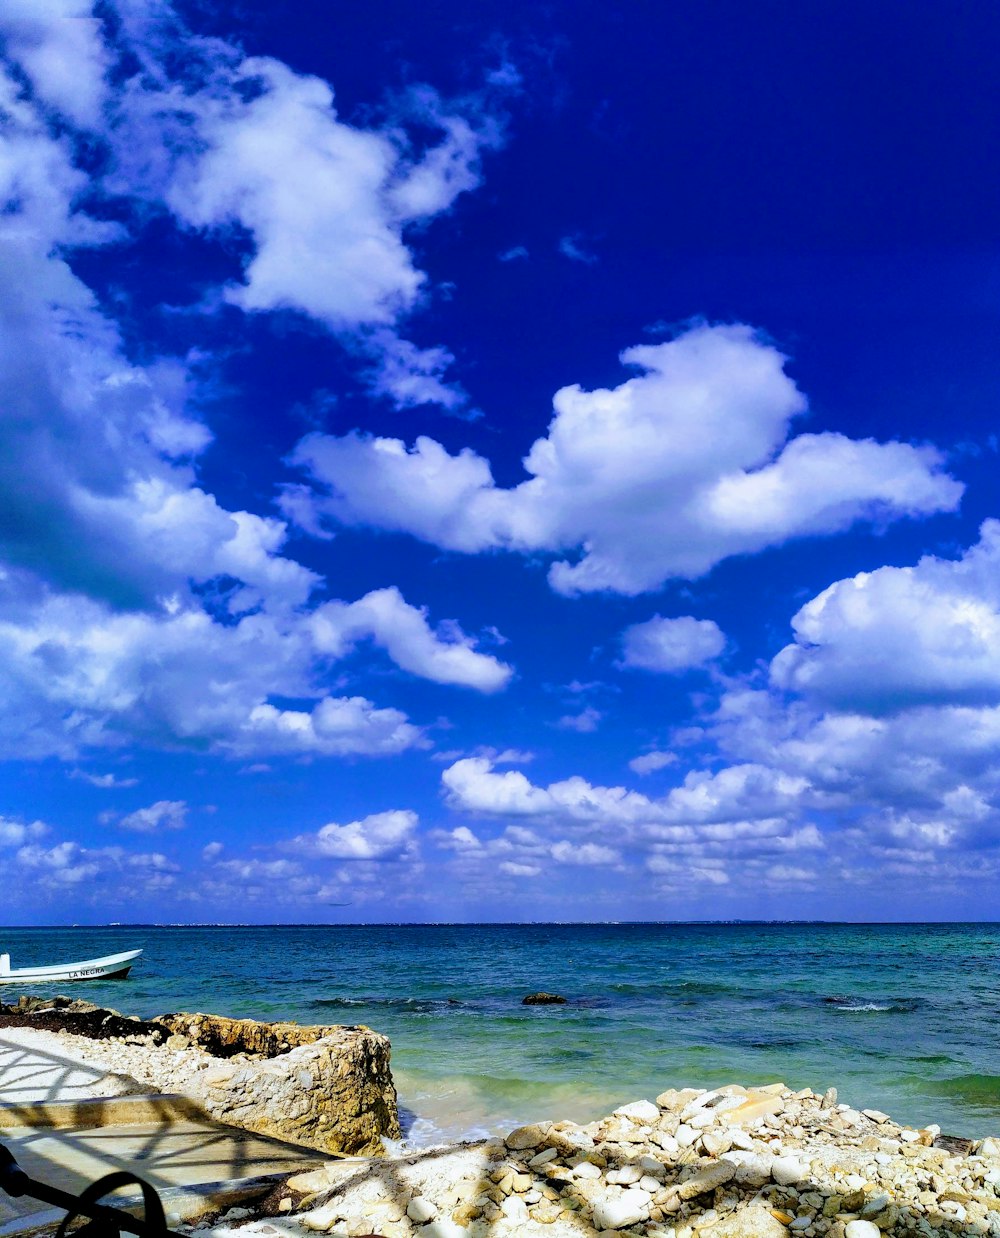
(110, 967)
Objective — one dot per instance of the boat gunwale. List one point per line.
(60, 971)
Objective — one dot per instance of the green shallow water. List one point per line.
(897, 1017)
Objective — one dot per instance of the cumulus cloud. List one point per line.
(77, 675)
(16, 833)
(679, 467)
(133, 605)
(248, 149)
(68, 864)
(894, 638)
(671, 645)
(380, 836)
(731, 794)
(445, 656)
(163, 815)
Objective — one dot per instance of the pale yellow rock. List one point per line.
(707, 1179)
(323, 1218)
(523, 1137)
(753, 1222)
(759, 1104)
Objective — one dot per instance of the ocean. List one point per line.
(901, 1018)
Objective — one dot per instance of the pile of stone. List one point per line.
(727, 1163)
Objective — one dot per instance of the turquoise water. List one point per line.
(897, 1017)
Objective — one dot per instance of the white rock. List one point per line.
(649, 1183)
(515, 1209)
(639, 1111)
(786, 1170)
(628, 1208)
(862, 1229)
(625, 1176)
(685, 1136)
(586, 1170)
(543, 1158)
(444, 1228)
(322, 1219)
(421, 1210)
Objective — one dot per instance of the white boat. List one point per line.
(110, 967)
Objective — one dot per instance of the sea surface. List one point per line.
(902, 1018)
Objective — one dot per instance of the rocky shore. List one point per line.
(727, 1163)
(730, 1162)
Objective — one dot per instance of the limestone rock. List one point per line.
(524, 1137)
(639, 1111)
(543, 999)
(750, 1223)
(349, 1105)
(786, 1170)
(616, 1212)
(707, 1179)
(862, 1229)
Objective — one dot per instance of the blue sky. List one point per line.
(498, 463)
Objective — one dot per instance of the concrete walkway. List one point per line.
(62, 1135)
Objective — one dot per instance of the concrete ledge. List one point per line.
(103, 1111)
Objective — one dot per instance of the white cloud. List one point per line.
(663, 476)
(69, 864)
(732, 794)
(324, 201)
(512, 869)
(586, 855)
(412, 376)
(163, 815)
(17, 833)
(898, 637)
(649, 762)
(572, 247)
(75, 675)
(380, 836)
(59, 45)
(671, 645)
(446, 656)
(104, 781)
(584, 723)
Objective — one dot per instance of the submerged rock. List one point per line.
(543, 999)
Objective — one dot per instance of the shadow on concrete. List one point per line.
(62, 1135)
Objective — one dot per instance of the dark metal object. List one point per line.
(105, 1221)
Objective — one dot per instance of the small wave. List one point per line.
(973, 1089)
(411, 1005)
(862, 1005)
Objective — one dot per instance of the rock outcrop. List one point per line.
(325, 1087)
